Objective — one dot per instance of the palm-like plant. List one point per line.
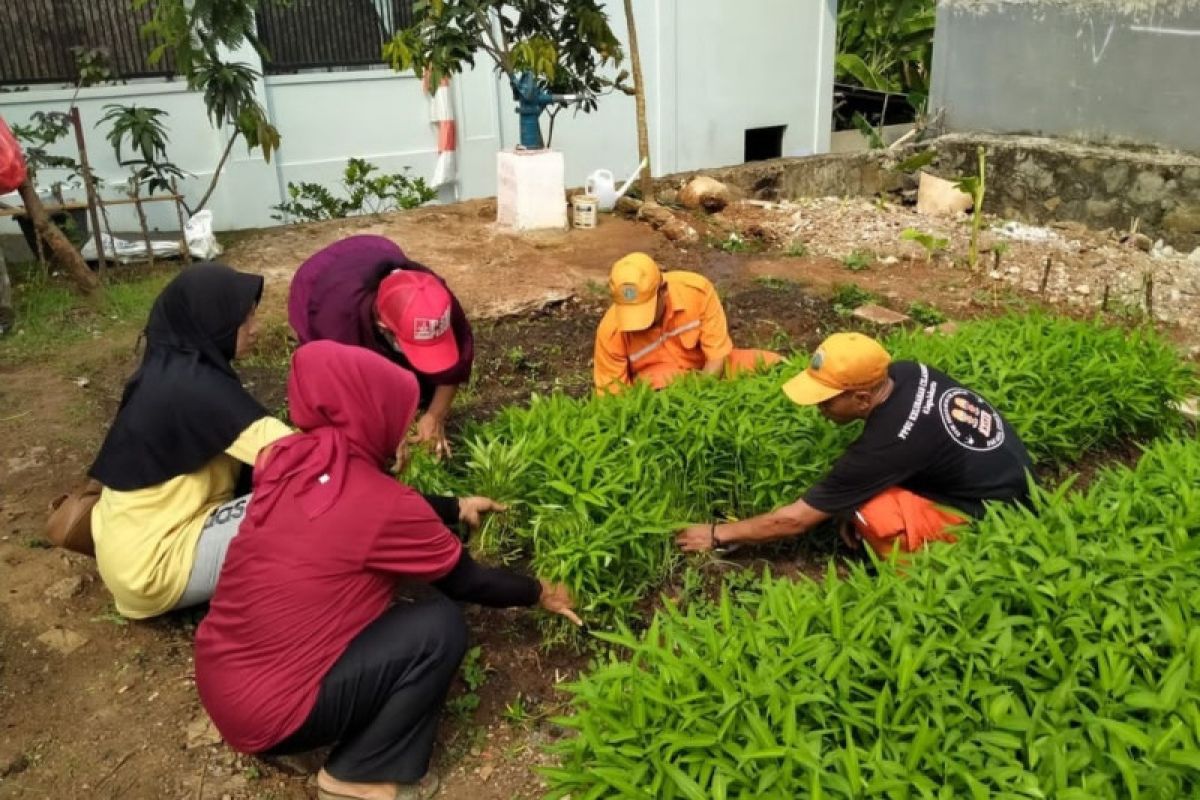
(142, 131)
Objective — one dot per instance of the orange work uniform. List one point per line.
(693, 331)
(897, 516)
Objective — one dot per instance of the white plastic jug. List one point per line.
(600, 184)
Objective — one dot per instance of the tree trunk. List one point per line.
(8, 316)
(646, 182)
(217, 174)
(61, 249)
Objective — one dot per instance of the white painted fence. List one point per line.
(713, 68)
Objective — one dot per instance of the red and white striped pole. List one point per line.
(441, 114)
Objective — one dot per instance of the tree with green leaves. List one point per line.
(565, 44)
(194, 33)
(886, 45)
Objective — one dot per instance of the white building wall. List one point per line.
(713, 68)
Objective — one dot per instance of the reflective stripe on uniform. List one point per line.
(657, 343)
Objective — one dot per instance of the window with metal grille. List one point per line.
(37, 38)
(327, 34)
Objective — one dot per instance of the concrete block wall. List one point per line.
(712, 69)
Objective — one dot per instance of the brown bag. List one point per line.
(70, 522)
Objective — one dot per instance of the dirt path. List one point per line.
(93, 706)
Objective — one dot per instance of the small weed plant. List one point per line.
(926, 314)
(849, 296)
(774, 283)
(932, 245)
(474, 674)
(736, 243)
(859, 260)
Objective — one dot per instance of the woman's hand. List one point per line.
(556, 599)
(431, 432)
(472, 509)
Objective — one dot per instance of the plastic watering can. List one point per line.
(600, 184)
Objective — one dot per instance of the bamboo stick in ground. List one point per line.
(135, 193)
(184, 252)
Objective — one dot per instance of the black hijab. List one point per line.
(185, 404)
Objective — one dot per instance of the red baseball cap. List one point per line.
(415, 307)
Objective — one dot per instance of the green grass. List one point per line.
(859, 260)
(51, 315)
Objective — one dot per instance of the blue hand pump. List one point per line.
(532, 100)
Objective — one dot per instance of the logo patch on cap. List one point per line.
(629, 293)
(426, 329)
(817, 360)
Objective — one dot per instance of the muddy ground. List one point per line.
(94, 706)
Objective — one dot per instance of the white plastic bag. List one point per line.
(200, 238)
(127, 252)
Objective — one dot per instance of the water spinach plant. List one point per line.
(597, 486)
(1053, 652)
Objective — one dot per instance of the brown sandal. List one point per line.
(423, 789)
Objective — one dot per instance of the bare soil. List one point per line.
(118, 715)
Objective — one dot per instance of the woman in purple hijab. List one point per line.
(364, 291)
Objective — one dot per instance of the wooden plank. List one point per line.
(17, 211)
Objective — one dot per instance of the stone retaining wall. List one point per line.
(1035, 180)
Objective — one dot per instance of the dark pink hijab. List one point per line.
(350, 403)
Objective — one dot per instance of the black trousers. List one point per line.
(379, 704)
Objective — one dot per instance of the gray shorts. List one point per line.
(219, 529)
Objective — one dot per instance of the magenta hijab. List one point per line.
(349, 402)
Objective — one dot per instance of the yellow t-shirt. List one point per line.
(146, 539)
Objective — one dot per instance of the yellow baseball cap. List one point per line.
(845, 362)
(633, 284)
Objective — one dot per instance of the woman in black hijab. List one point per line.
(183, 432)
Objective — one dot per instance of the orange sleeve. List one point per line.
(611, 362)
(714, 331)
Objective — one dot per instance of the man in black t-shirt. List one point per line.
(930, 454)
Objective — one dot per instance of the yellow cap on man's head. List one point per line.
(845, 362)
(633, 284)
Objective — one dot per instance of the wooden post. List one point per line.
(1148, 281)
(89, 187)
(1045, 275)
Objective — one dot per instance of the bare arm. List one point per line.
(715, 366)
(431, 428)
(443, 398)
(790, 520)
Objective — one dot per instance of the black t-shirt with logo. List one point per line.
(935, 438)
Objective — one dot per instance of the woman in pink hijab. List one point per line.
(303, 646)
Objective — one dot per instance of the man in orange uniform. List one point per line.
(663, 325)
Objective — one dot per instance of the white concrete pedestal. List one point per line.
(531, 189)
